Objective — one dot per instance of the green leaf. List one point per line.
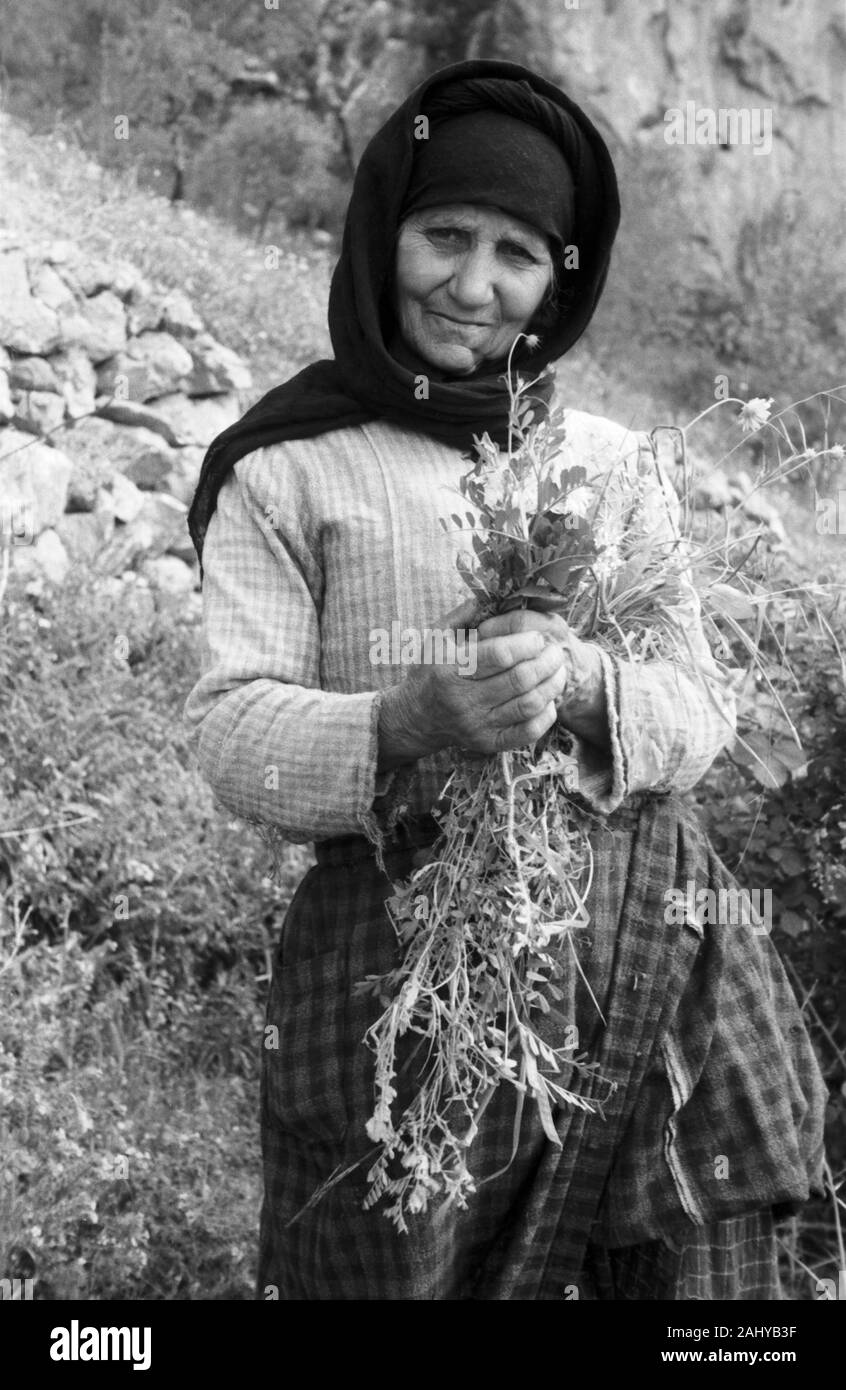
(770, 763)
(726, 601)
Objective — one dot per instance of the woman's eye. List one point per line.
(516, 252)
(447, 237)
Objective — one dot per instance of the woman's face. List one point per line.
(468, 280)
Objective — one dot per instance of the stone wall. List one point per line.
(110, 392)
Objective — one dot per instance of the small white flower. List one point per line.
(755, 413)
(837, 452)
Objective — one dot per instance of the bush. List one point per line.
(271, 164)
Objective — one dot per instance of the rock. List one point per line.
(217, 369)
(58, 252)
(127, 499)
(7, 409)
(178, 315)
(198, 421)
(41, 412)
(104, 501)
(158, 525)
(94, 275)
(185, 474)
(129, 545)
(145, 458)
(91, 445)
(33, 374)
(46, 559)
(145, 315)
(168, 519)
(183, 547)
(85, 534)
(98, 326)
(131, 413)
(26, 325)
(124, 278)
(11, 241)
(50, 288)
(99, 449)
(171, 311)
(154, 364)
(34, 475)
(170, 575)
(77, 380)
(143, 307)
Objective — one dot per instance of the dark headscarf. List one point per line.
(366, 380)
(494, 160)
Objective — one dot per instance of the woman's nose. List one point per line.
(473, 283)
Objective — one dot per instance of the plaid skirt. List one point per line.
(671, 1192)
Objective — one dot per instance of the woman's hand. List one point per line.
(582, 705)
(509, 700)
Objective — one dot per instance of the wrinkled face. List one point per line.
(468, 280)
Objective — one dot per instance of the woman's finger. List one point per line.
(530, 704)
(498, 655)
(502, 677)
(523, 620)
(463, 615)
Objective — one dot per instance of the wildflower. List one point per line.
(837, 452)
(755, 413)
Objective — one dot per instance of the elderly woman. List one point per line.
(485, 208)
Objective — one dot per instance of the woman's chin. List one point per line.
(454, 358)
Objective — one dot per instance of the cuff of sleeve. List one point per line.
(391, 791)
(603, 780)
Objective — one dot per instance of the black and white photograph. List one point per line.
(422, 668)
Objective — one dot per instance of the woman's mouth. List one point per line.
(461, 325)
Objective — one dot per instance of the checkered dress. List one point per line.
(715, 1126)
(686, 1180)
